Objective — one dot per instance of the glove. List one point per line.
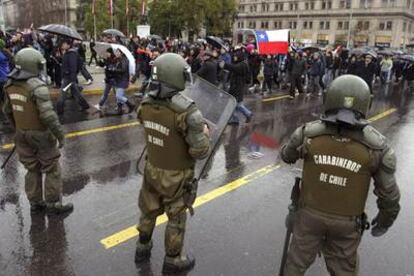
(377, 230)
(290, 218)
(190, 195)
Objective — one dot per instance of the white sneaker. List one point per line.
(89, 82)
(98, 107)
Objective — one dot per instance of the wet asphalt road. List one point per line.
(238, 232)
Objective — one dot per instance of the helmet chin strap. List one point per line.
(161, 90)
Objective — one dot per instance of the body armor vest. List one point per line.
(25, 113)
(336, 175)
(167, 148)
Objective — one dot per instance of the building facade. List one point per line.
(379, 23)
(20, 14)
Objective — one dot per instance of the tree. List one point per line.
(170, 17)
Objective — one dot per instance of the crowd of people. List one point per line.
(238, 69)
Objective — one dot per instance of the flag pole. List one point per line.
(94, 26)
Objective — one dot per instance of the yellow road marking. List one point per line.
(382, 115)
(275, 98)
(133, 124)
(87, 132)
(131, 232)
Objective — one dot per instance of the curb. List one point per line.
(95, 91)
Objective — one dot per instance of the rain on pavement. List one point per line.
(238, 228)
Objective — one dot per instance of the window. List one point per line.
(305, 24)
(345, 4)
(278, 7)
(264, 25)
(322, 25)
(241, 8)
(310, 25)
(340, 25)
(408, 3)
(293, 6)
(384, 3)
(404, 26)
(366, 25)
(293, 25)
(327, 25)
(306, 6)
(252, 25)
(389, 25)
(277, 24)
(409, 27)
(312, 6)
(326, 5)
(346, 25)
(360, 25)
(381, 26)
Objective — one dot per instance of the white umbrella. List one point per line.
(101, 48)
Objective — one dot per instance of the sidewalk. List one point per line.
(97, 87)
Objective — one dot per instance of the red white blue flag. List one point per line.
(272, 42)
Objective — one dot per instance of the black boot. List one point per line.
(37, 207)
(177, 264)
(143, 251)
(131, 107)
(119, 109)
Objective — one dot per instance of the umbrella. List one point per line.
(311, 49)
(61, 30)
(407, 58)
(397, 52)
(156, 37)
(113, 32)
(216, 42)
(101, 48)
(385, 52)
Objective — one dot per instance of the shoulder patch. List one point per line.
(316, 128)
(180, 103)
(373, 138)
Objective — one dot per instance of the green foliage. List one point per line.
(170, 17)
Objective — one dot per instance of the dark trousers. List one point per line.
(295, 82)
(74, 89)
(93, 57)
(85, 73)
(268, 80)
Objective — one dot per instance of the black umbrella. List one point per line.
(407, 58)
(385, 52)
(216, 42)
(311, 49)
(61, 30)
(156, 37)
(113, 32)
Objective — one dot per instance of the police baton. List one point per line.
(293, 207)
(8, 158)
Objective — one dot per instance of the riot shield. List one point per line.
(217, 107)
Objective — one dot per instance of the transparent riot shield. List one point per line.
(217, 107)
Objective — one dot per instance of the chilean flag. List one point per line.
(272, 42)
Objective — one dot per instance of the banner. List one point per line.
(111, 7)
(143, 8)
(93, 7)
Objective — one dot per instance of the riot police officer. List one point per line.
(30, 110)
(176, 135)
(341, 154)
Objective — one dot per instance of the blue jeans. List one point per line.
(107, 90)
(242, 109)
(120, 94)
